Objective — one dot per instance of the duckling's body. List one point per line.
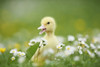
(48, 26)
(51, 40)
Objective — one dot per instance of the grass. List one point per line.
(19, 21)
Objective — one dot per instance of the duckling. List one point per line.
(48, 26)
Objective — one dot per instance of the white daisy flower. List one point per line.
(43, 40)
(91, 54)
(32, 42)
(71, 38)
(48, 52)
(75, 43)
(87, 45)
(76, 58)
(98, 53)
(45, 43)
(19, 53)
(13, 58)
(13, 51)
(95, 39)
(21, 59)
(83, 44)
(38, 39)
(61, 44)
(82, 39)
(80, 49)
(69, 50)
(41, 44)
(60, 54)
(92, 46)
(59, 47)
(22, 53)
(95, 50)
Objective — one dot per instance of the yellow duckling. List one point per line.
(48, 25)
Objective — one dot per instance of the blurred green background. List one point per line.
(19, 20)
(72, 17)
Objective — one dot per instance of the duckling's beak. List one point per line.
(43, 29)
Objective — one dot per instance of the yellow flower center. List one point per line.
(68, 48)
(59, 47)
(83, 45)
(22, 54)
(13, 51)
(13, 58)
(19, 54)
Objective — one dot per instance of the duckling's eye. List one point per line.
(48, 23)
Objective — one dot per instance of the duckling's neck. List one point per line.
(50, 33)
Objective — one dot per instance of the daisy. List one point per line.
(59, 47)
(82, 39)
(14, 52)
(71, 38)
(60, 54)
(22, 54)
(83, 44)
(13, 58)
(69, 50)
(91, 54)
(61, 44)
(80, 49)
(32, 42)
(92, 46)
(98, 53)
(45, 43)
(43, 40)
(21, 59)
(48, 52)
(19, 53)
(76, 58)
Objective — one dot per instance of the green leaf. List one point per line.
(31, 51)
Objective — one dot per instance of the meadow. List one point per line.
(78, 30)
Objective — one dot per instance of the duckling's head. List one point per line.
(47, 25)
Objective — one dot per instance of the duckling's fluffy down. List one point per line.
(49, 24)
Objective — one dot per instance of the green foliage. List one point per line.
(31, 51)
